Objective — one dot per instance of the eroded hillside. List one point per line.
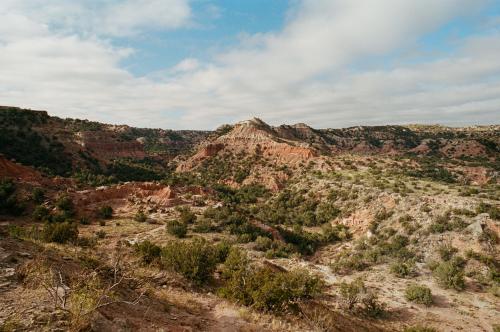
(249, 228)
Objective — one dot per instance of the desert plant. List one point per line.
(371, 305)
(203, 225)
(105, 212)
(196, 260)
(350, 293)
(140, 216)
(38, 195)
(41, 213)
(148, 251)
(402, 269)
(419, 294)
(450, 274)
(177, 228)
(65, 205)
(60, 232)
(186, 216)
(265, 288)
(9, 203)
(492, 210)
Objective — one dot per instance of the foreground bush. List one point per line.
(419, 294)
(264, 288)
(60, 232)
(196, 260)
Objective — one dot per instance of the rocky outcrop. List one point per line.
(258, 138)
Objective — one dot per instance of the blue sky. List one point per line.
(217, 25)
(199, 63)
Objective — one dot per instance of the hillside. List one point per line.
(250, 227)
(66, 146)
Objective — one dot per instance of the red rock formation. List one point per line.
(254, 137)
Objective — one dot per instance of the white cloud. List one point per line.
(186, 65)
(298, 74)
(102, 17)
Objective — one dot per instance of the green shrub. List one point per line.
(84, 221)
(196, 260)
(355, 295)
(38, 195)
(60, 232)
(492, 210)
(419, 294)
(8, 200)
(349, 262)
(441, 224)
(450, 274)
(177, 228)
(41, 213)
(371, 306)
(350, 293)
(203, 225)
(273, 248)
(264, 288)
(105, 212)
(263, 243)
(148, 251)
(335, 233)
(140, 216)
(402, 269)
(65, 205)
(187, 217)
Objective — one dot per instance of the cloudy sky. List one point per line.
(194, 64)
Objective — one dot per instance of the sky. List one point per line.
(196, 64)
